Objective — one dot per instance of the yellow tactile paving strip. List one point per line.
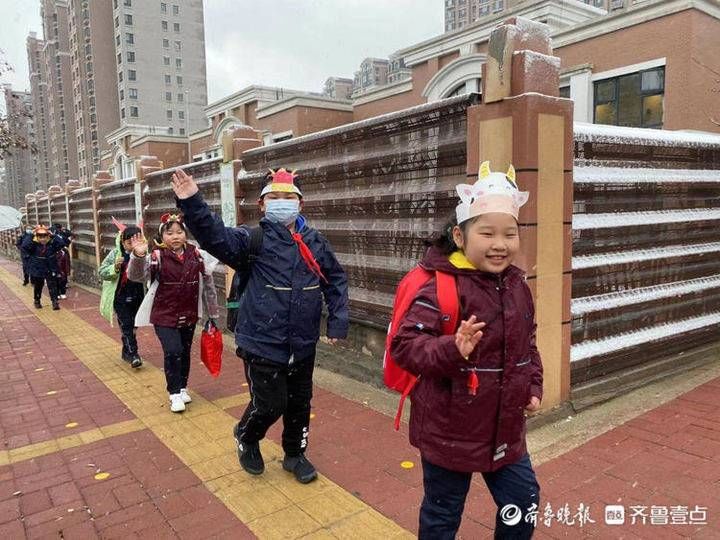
(273, 505)
(31, 451)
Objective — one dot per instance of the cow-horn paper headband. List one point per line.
(493, 192)
(282, 181)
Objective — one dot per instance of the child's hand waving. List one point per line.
(468, 335)
(183, 185)
(139, 245)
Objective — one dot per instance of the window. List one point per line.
(128, 19)
(178, 46)
(120, 76)
(182, 131)
(119, 57)
(166, 60)
(129, 38)
(564, 92)
(181, 115)
(498, 5)
(163, 7)
(128, 3)
(130, 56)
(117, 40)
(170, 130)
(176, 10)
(122, 112)
(132, 75)
(169, 114)
(117, 22)
(179, 80)
(122, 94)
(178, 63)
(168, 79)
(115, 4)
(165, 26)
(180, 98)
(132, 93)
(168, 96)
(166, 43)
(634, 100)
(176, 27)
(134, 112)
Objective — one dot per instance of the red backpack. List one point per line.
(396, 378)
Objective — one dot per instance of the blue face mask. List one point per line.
(283, 211)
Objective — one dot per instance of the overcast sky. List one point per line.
(291, 43)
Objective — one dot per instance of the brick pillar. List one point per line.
(235, 141)
(100, 178)
(70, 186)
(144, 166)
(523, 121)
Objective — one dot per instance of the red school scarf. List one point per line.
(308, 257)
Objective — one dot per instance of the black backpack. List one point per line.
(241, 277)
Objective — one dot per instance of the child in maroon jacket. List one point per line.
(473, 388)
(179, 282)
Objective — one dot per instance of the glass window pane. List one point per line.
(605, 91)
(629, 101)
(653, 81)
(653, 111)
(605, 114)
(564, 92)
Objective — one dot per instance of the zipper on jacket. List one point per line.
(499, 451)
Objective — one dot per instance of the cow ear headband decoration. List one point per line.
(121, 226)
(493, 192)
(282, 181)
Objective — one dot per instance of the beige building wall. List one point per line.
(57, 74)
(19, 170)
(95, 93)
(38, 90)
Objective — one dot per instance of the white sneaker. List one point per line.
(185, 396)
(62, 296)
(176, 403)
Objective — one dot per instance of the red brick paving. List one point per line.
(668, 456)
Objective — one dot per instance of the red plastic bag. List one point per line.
(211, 348)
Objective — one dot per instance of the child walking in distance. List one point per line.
(41, 250)
(278, 323)
(475, 385)
(24, 257)
(121, 295)
(179, 281)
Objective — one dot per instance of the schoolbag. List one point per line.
(396, 378)
(241, 278)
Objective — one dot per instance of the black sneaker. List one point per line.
(56, 306)
(38, 305)
(136, 361)
(249, 455)
(303, 470)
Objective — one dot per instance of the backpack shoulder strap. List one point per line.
(448, 301)
(256, 238)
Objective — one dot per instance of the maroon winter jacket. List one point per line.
(450, 427)
(176, 299)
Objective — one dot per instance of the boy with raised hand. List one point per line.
(279, 314)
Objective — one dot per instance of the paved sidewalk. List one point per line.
(90, 450)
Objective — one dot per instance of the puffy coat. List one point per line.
(450, 427)
(280, 310)
(42, 259)
(111, 279)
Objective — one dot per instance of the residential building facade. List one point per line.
(19, 168)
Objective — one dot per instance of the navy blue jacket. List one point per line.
(24, 256)
(42, 262)
(280, 310)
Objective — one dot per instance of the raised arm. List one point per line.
(139, 265)
(228, 244)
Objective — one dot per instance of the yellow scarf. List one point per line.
(459, 260)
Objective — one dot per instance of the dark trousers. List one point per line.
(278, 390)
(26, 276)
(126, 312)
(38, 284)
(445, 493)
(176, 344)
(62, 284)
